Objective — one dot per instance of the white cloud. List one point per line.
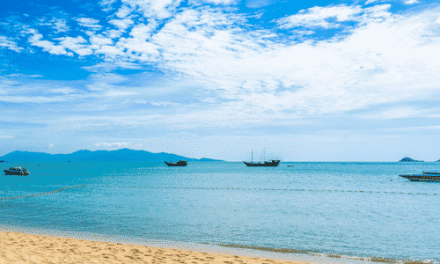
(77, 45)
(107, 5)
(410, 2)
(97, 41)
(21, 88)
(60, 25)
(375, 14)
(109, 51)
(108, 67)
(50, 145)
(64, 90)
(159, 9)
(6, 137)
(413, 128)
(257, 3)
(118, 93)
(124, 11)
(386, 58)
(215, 2)
(121, 23)
(90, 23)
(31, 99)
(143, 31)
(331, 17)
(107, 78)
(398, 113)
(115, 144)
(302, 32)
(210, 100)
(5, 42)
(318, 17)
(113, 33)
(160, 103)
(20, 75)
(223, 75)
(393, 52)
(138, 47)
(36, 40)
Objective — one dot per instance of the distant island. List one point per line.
(407, 159)
(99, 155)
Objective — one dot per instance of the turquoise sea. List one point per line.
(353, 209)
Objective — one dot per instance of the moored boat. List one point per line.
(427, 176)
(16, 171)
(270, 163)
(180, 163)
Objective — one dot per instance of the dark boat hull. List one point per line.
(272, 163)
(181, 163)
(18, 173)
(422, 177)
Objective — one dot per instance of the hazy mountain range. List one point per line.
(99, 155)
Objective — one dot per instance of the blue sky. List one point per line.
(306, 80)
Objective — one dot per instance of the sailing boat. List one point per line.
(180, 163)
(271, 163)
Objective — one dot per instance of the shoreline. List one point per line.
(16, 244)
(18, 247)
(71, 239)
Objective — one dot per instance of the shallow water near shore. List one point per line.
(353, 209)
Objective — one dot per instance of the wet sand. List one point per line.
(25, 248)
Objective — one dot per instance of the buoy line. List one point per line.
(38, 194)
(213, 188)
(256, 189)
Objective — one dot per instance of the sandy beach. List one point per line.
(25, 248)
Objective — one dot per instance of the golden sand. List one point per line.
(23, 248)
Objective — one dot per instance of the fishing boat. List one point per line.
(16, 171)
(180, 163)
(427, 176)
(270, 163)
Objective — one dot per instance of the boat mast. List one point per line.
(264, 154)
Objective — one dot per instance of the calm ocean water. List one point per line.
(325, 212)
